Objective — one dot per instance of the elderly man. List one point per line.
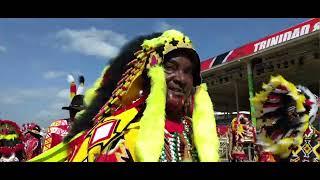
(149, 105)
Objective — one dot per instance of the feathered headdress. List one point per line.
(148, 60)
(80, 90)
(282, 116)
(150, 139)
(311, 101)
(74, 90)
(76, 95)
(31, 128)
(11, 137)
(73, 86)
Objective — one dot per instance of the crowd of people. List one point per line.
(150, 105)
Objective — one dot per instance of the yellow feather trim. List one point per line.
(150, 139)
(282, 146)
(204, 126)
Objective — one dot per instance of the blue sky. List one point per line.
(37, 54)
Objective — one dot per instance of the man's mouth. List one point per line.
(176, 91)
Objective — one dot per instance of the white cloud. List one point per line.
(49, 114)
(10, 100)
(45, 114)
(162, 26)
(56, 106)
(53, 111)
(53, 74)
(35, 93)
(100, 43)
(64, 93)
(18, 96)
(41, 105)
(3, 49)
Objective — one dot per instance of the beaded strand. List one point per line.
(173, 141)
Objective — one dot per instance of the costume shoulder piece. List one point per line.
(55, 133)
(87, 144)
(101, 137)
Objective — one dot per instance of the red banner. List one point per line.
(261, 44)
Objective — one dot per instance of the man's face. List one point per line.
(179, 79)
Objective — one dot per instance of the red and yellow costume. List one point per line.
(55, 133)
(284, 115)
(11, 145)
(243, 135)
(32, 140)
(132, 126)
(59, 129)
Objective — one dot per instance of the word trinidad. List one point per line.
(297, 32)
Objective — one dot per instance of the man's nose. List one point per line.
(179, 78)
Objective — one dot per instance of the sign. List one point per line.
(299, 30)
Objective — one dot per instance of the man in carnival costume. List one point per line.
(242, 136)
(284, 114)
(148, 106)
(60, 128)
(11, 145)
(32, 140)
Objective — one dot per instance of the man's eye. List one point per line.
(188, 71)
(169, 67)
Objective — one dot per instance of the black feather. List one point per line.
(81, 79)
(109, 83)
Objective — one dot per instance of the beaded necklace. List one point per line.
(177, 147)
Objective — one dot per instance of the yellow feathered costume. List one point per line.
(135, 129)
(274, 132)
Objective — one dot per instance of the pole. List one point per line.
(317, 102)
(236, 95)
(251, 92)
